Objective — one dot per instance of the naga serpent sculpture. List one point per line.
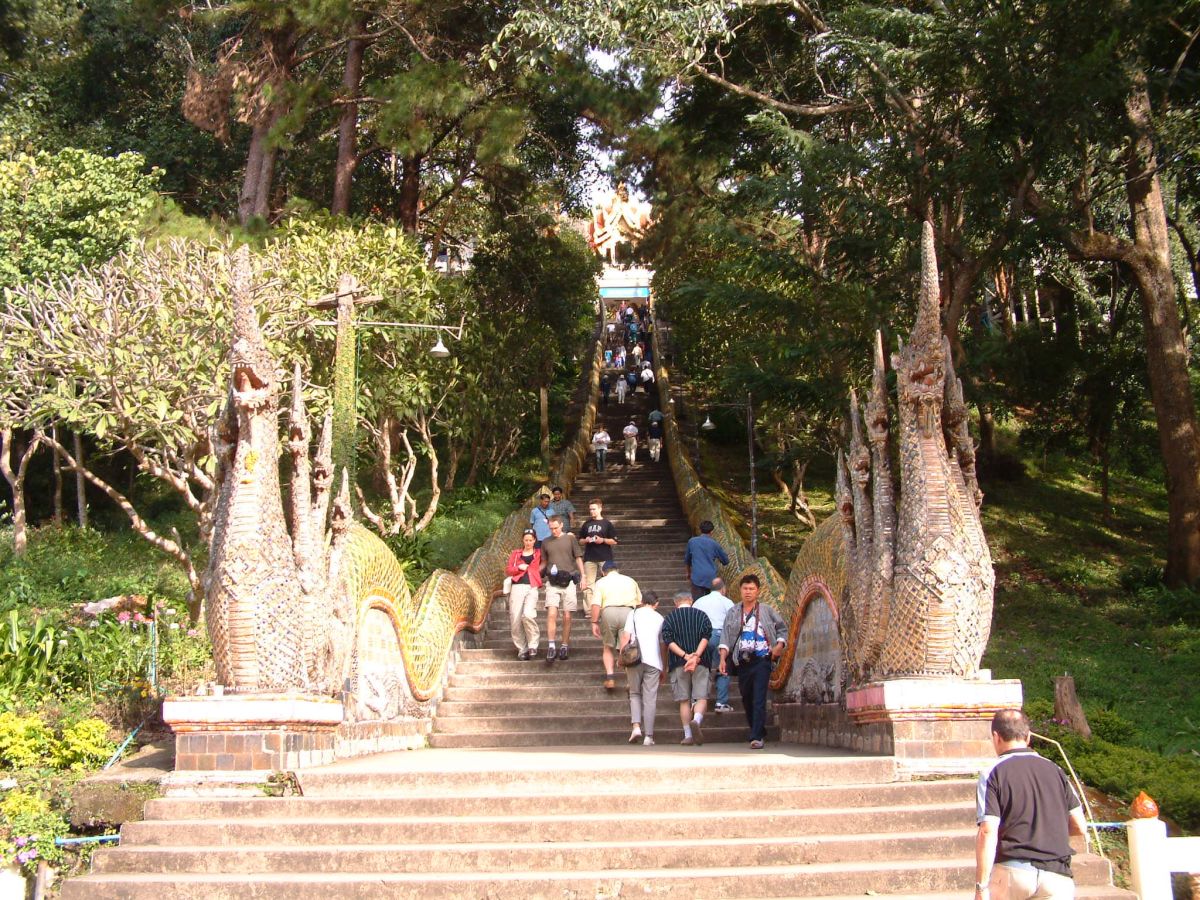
(323, 606)
(911, 584)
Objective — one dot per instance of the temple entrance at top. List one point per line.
(618, 223)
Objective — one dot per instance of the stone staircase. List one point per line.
(495, 700)
(688, 823)
(517, 797)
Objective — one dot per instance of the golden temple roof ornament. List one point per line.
(616, 221)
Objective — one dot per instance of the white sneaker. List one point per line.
(648, 742)
(723, 708)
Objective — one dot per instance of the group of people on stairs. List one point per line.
(630, 434)
(698, 645)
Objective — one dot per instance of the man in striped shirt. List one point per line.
(686, 632)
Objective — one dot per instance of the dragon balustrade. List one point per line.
(313, 602)
(899, 583)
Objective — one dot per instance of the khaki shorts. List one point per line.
(612, 622)
(564, 597)
(689, 685)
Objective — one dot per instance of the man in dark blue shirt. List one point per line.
(701, 559)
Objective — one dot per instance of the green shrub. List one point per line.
(25, 741)
(1173, 781)
(84, 745)
(1109, 726)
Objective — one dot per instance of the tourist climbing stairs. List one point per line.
(495, 700)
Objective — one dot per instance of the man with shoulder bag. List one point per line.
(751, 643)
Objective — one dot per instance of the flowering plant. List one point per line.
(29, 831)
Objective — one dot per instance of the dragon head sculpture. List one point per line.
(921, 364)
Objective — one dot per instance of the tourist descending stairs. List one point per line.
(495, 700)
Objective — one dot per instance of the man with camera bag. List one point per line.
(562, 569)
(751, 643)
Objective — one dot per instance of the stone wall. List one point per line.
(928, 745)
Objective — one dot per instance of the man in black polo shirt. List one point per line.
(1026, 811)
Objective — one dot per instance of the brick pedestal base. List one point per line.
(253, 732)
(931, 726)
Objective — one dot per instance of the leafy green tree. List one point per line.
(60, 212)
(1009, 126)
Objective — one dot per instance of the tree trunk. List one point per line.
(279, 48)
(80, 483)
(248, 198)
(347, 152)
(476, 459)
(410, 193)
(987, 433)
(455, 453)
(1166, 354)
(544, 414)
(56, 468)
(16, 481)
(1067, 707)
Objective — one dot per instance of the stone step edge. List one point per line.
(719, 795)
(604, 875)
(495, 846)
(705, 815)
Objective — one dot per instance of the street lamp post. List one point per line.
(709, 425)
(350, 294)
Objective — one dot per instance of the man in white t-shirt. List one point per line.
(715, 605)
(645, 624)
(600, 442)
(631, 433)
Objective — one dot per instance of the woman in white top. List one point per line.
(645, 624)
(622, 387)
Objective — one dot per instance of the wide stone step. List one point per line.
(822, 801)
(580, 694)
(567, 771)
(548, 678)
(689, 852)
(611, 703)
(534, 826)
(616, 723)
(667, 735)
(922, 877)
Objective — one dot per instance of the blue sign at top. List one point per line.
(620, 293)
